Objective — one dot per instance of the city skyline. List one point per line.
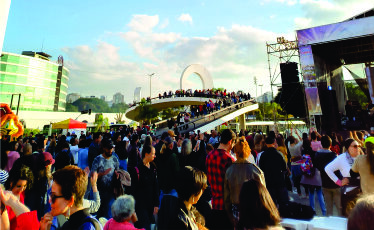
(112, 47)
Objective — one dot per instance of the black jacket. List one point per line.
(274, 168)
(321, 159)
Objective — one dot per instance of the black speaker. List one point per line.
(292, 95)
(330, 120)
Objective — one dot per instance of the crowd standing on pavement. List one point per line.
(131, 179)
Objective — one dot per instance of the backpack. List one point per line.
(307, 166)
(297, 211)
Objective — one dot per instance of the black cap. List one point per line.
(107, 143)
(168, 140)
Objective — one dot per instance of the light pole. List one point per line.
(263, 103)
(150, 86)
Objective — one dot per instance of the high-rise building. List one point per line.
(118, 98)
(72, 97)
(41, 83)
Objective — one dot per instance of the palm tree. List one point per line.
(101, 123)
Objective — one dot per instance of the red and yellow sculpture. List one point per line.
(10, 125)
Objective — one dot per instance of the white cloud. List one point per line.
(233, 55)
(143, 23)
(302, 23)
(185, 18)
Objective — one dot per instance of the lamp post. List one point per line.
(263, 103)
(150, 86)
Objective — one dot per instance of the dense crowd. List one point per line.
(127, 179)
(208, 93)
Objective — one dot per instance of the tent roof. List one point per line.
(69, 124)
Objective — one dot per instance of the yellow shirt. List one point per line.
(283, 150)
(361, 166)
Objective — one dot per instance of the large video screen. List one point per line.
(337, 31)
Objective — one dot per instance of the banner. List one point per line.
(310, 82)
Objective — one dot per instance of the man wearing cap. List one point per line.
(217, 163)
(105, 164)
(173, 135)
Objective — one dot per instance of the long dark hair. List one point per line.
(256, 207)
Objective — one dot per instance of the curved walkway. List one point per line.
(165, 103)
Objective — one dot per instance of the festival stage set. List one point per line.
(324, 50)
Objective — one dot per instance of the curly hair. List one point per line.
(241, 148)
(16, 174)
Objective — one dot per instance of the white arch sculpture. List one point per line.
(201, 71)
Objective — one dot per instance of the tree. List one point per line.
(101, 122)
(292, 99)
(146, 112)
(95, 104)
(169, 112)
(71, 108)
(356, 94)
(119, 108)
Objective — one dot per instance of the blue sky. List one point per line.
(110, 46)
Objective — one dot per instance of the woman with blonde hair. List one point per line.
(240, 171)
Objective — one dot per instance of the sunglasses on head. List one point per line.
(54, 197)
(355, 146)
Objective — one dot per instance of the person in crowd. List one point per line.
(105, 165)
(168, 168)
(364, 165)
(27, 149)
(335, 146)
(240, 171)
(315, 144)
(294, 146)
(120, 150)
(36, 197)
(257, 142)
(217, 162)
(361, 216)
(274, 168)
(74, 148)
(312, 180)
(64, 157)
(199, 154)
(94, 149)
(26, 219)
(192, 184)
(83, 153)
(331, 191)
(282, 148)
(146, 189)
(213, 140)
(13, 155)
(124, 215)
(68, 188)
(17, 183)
(256, 208)
(185, 156)
(343, 163)
(52, 147)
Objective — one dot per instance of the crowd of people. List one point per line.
(126, 179)
(208, 93)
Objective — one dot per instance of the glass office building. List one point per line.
(41, 84)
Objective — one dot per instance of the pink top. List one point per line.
(114, 225)
(12, 157)
(316, 145)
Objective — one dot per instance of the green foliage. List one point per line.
(95, 104)
(355, 94)
(119, 108)
(27, 132)
(71, 108)
(146, 112)
(170, 112)
(220, 89)
(101, 122)
(269, 110)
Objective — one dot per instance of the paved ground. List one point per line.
(303, 200)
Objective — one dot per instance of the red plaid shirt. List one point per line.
(217, 163)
